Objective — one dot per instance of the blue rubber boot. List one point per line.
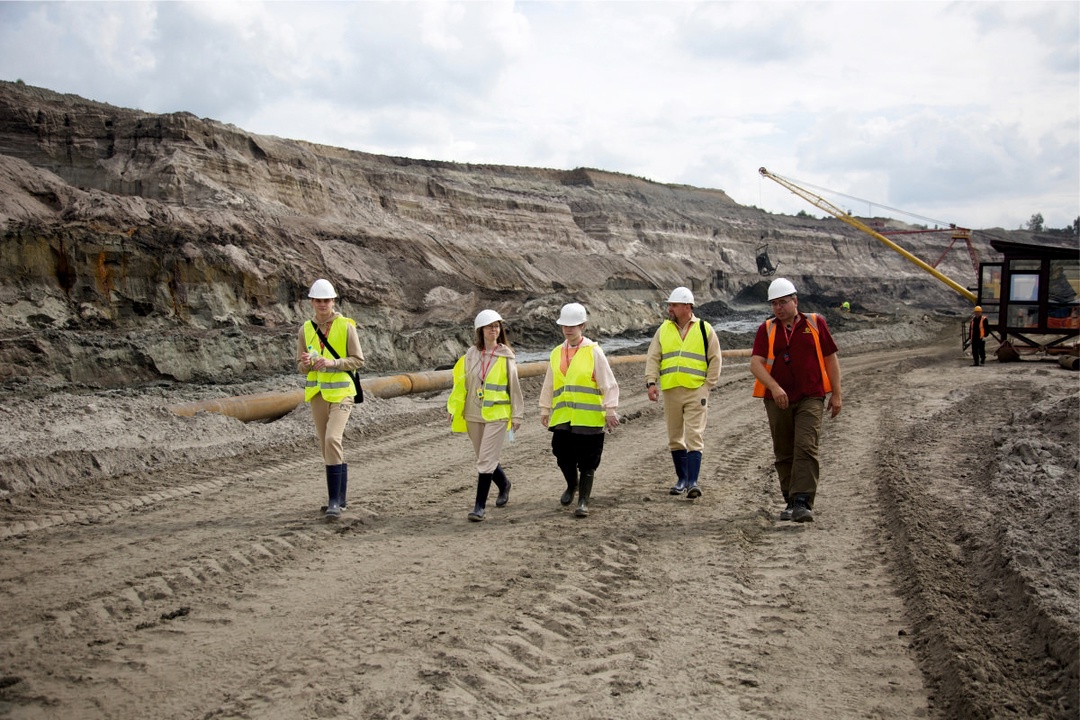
(679, 458)
(693, 467)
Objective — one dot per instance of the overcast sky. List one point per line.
(965, 113)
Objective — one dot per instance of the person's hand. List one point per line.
(322, 363)
(654, 393)
(611, 421)
(449, 417)
(514, 425)
(780, 398)
(544, 420)
(834, 405)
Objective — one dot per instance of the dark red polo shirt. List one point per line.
(795, 366)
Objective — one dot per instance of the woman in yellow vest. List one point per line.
(486, 403)
(329, 389)
(577, 403)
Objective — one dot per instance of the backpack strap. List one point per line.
(705, 342)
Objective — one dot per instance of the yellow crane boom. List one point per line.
(836, 212)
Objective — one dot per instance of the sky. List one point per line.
(942, 112)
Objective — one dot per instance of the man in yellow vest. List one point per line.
(684, 358)
(795, 366)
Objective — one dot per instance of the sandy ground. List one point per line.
(153, 566)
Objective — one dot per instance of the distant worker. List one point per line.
(684, 357)
(795, 365)
(577, 404)
(980, 327)
(327, 350)
(845, 306)
(486, 403)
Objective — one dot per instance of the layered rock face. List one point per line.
(138, 247)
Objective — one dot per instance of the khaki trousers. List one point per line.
(795, 432)
(330, 419)
(686, 411)
(487, 440)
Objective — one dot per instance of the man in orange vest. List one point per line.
(979, 331)
(795, 366)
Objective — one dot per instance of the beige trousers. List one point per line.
(330, 419)
(686, 410)
(487, 440)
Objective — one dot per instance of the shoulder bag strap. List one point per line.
(325, 342)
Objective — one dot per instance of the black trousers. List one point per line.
(574, 451)
(978, 351)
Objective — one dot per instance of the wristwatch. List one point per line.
(649, 385)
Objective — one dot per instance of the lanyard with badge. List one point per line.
(787, 339)
(485, 367)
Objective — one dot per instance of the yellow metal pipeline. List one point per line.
(271, 406)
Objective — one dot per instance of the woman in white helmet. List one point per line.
(577, 404)
(327, 350)
(486, 403)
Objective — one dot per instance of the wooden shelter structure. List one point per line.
(1032, 298)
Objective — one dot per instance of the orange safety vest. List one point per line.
(770, 326)
(982, 327)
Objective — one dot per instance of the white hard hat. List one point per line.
(572, 314)
(780, 287)
(321, 289)
(485, 318)
(681, 295)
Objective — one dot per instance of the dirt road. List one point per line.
(939, 578)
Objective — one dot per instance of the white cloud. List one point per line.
(967, 111)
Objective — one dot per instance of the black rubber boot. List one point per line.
(483, 487)
(693, 467)
(679, 458)
(333, 491)
(503, 483)
(800, 509)
(344, 483)
(570, 474)
(584, 493)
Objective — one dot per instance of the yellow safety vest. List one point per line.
(495, 399)
(335, 385)
(683, 361)
(770, 326)
(575, 397)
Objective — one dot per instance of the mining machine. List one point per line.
(1031, 297)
